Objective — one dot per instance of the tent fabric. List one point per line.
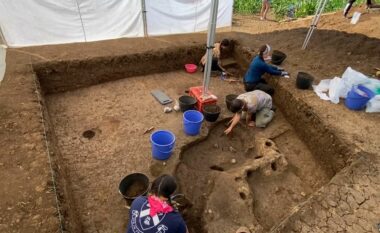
(184, 16)
(41, 22)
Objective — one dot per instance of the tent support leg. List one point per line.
(210, 46)
(143, 9)
(314, 22)
(2, 37)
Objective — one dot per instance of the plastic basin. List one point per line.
(211, 112)
(163, 142)
(192, 122)
(304, 80)
(358, 97)
(134, 185)
(191, 68)
(278, 57)
(187, 103)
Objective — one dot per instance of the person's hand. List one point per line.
(251, 124)
(227, 131)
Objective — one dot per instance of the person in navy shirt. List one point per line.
(154, 214)
(253, 78)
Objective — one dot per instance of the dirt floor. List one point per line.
(337, 144)
(119, 146)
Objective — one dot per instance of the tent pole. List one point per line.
(143, 9)
(314, 22)
(2, 37)
(210, 46)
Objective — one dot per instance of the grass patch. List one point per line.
(290, 8)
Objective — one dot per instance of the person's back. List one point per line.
(256, 100)
(257, 68)
(141, 221)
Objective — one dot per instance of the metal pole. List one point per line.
(143, 9)
(314, 22)
(2, 37)
(312, 25)
(210, 46)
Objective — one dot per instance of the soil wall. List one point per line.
(61, 76)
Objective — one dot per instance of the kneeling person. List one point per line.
(155, 213)
(257, 106)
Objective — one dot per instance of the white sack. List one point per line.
(321, 88)
(336, 88)
(373, 104)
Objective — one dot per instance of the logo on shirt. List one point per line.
(141, 220)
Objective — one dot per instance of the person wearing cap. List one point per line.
(256, 106)
(253, 78)
(155, 214)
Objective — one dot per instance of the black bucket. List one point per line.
(187, 103)
(278, 57)
(229, 99)
(133, 186)
(211, 112)
(304, 80)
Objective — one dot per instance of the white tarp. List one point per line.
(184, 16)
(2, 62)
(39, 22)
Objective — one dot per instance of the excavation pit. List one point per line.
(269, 173)
(228, 181)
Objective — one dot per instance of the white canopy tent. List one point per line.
(41, 22)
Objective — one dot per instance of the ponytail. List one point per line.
(264, 50)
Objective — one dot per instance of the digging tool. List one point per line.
(148, 130)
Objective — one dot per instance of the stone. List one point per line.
(233, 161)
(39, 189)
(331, 203)
(233, 150)
(39, 201)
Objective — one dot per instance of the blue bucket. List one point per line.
(192, 122)
(358, 97)
(163, 142)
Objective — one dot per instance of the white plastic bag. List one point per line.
(336, 88)
(351, 78)
(321, 88)
(373, 104)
